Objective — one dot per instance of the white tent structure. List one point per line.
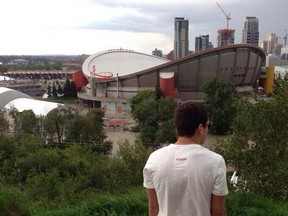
(7, 95)
(37, 106)
(5, 78)
(10, 98)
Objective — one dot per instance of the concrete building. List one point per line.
(278, 60)
(202, 43)
(225, 37)
(265, 46)
(284, 55)
(29, 87)
(119, 75)
(251, 31)
(181, 38)
(271, 44)
(272, 60)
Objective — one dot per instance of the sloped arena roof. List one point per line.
(119, 62)
(10, 98)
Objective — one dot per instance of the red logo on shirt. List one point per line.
(180, 159)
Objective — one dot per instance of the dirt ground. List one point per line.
(118, 134)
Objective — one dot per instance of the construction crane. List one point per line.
(227, 16)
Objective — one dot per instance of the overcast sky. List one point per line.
(34, 27)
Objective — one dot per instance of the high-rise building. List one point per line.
(202, 43)
(265, 46)
(271, 45)
(157, 52)
(225, 37)
(181, 43)
(251, 31)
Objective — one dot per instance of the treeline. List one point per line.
(62, 159)
(62, 163)
(34, 62)
(58, 89)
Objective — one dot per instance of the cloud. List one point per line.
(87, 26)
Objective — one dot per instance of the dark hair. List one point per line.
(188, 116)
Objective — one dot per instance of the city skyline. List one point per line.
(72, 27)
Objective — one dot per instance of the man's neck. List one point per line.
(184, 140)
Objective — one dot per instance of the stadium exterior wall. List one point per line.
(239, 64)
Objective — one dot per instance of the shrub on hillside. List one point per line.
(12, 202)
(220, 98)
(126, 166)
(243, 203)
(258, 148)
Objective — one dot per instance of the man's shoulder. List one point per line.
(161, 151)
(212, 154)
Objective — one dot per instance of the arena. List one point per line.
(115, 76)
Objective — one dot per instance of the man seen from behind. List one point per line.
(185, 178)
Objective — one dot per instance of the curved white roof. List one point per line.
(5, 78)
(7, 95)
(37, 106)
(10, 98)
(121, 62)
(3, 89)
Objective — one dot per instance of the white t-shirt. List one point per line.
(184, 177)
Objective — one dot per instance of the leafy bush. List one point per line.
(12, 202)
(133, 203)
(154, 116)
(126, 166)
(258, 148)
(220, 97)
(243, 203)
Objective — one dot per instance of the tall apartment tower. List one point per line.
(271, 45)
(181, 43)
(251, 31)
(225, 37)
(202, 43)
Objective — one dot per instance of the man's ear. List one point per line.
(201, 128)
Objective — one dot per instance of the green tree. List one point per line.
(60, 90)
(154, 117)
(140, 99)
(54, 90)
(258, 148)
(8, 153)
(57, 121)
(67, 88)
(220, 97)
(158, 92)
(28, 122)
(49, 91)
(93, 132)
(127, 166)
(89, 130)
(4, 124)
(73, 90)
(76, 129)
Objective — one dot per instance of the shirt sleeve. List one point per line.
(148, 180)
(220, 183)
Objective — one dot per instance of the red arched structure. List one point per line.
(79, 79)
